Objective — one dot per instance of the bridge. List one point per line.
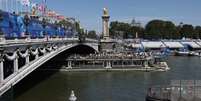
(20, 57)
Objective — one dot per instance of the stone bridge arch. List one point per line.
(89, 46)
(49, 53)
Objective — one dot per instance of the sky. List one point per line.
(89, 12)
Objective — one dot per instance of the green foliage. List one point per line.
(198, 32)
(187, 31)
(159, 29)
(65, 23)
(155, 29)
(77, 27)
(124, 30)
(92, 34)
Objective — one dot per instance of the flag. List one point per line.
(33, 5)
(51, 13)
(33, 8)
(25, 2)
(60, 17)
(41, 7)
(44, 1)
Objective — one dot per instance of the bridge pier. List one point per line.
(146, 65)
(69, 65)
(108, 65)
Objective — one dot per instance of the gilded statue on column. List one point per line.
(105, 12)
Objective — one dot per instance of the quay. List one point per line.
(115, 62)
(109, 70)
(178, 90)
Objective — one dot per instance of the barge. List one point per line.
(116, 62)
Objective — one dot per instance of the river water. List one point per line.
(103, 86)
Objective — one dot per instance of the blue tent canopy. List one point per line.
(9, 25)
(13, 27)
(35, 28)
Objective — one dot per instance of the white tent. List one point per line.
(153, 44)
(192, 44)
(173, 44)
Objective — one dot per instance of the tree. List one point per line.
(77, 27)
(92, 34)
(159, 29)
(65, 22)
(187, 31)
(153, 29)
(124, 30)
(82, 35)
(170, 30)
(198, 31)
(139, 30)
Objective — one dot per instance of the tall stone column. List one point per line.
(105, 19)
(107, 44)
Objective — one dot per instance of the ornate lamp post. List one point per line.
(82, 35)
(57, 34)
(26, 22)
(44, 24)
(1, 19)
(65, 31)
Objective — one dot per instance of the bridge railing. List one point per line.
(92, 40)
(37, 40)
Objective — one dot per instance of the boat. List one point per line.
(197, 53)
(186, 53)
(183, 52)
(180, 53)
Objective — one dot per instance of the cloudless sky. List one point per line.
(89, 11)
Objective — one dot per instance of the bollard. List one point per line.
(72, 96)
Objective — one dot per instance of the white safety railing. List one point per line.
(37, 40)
